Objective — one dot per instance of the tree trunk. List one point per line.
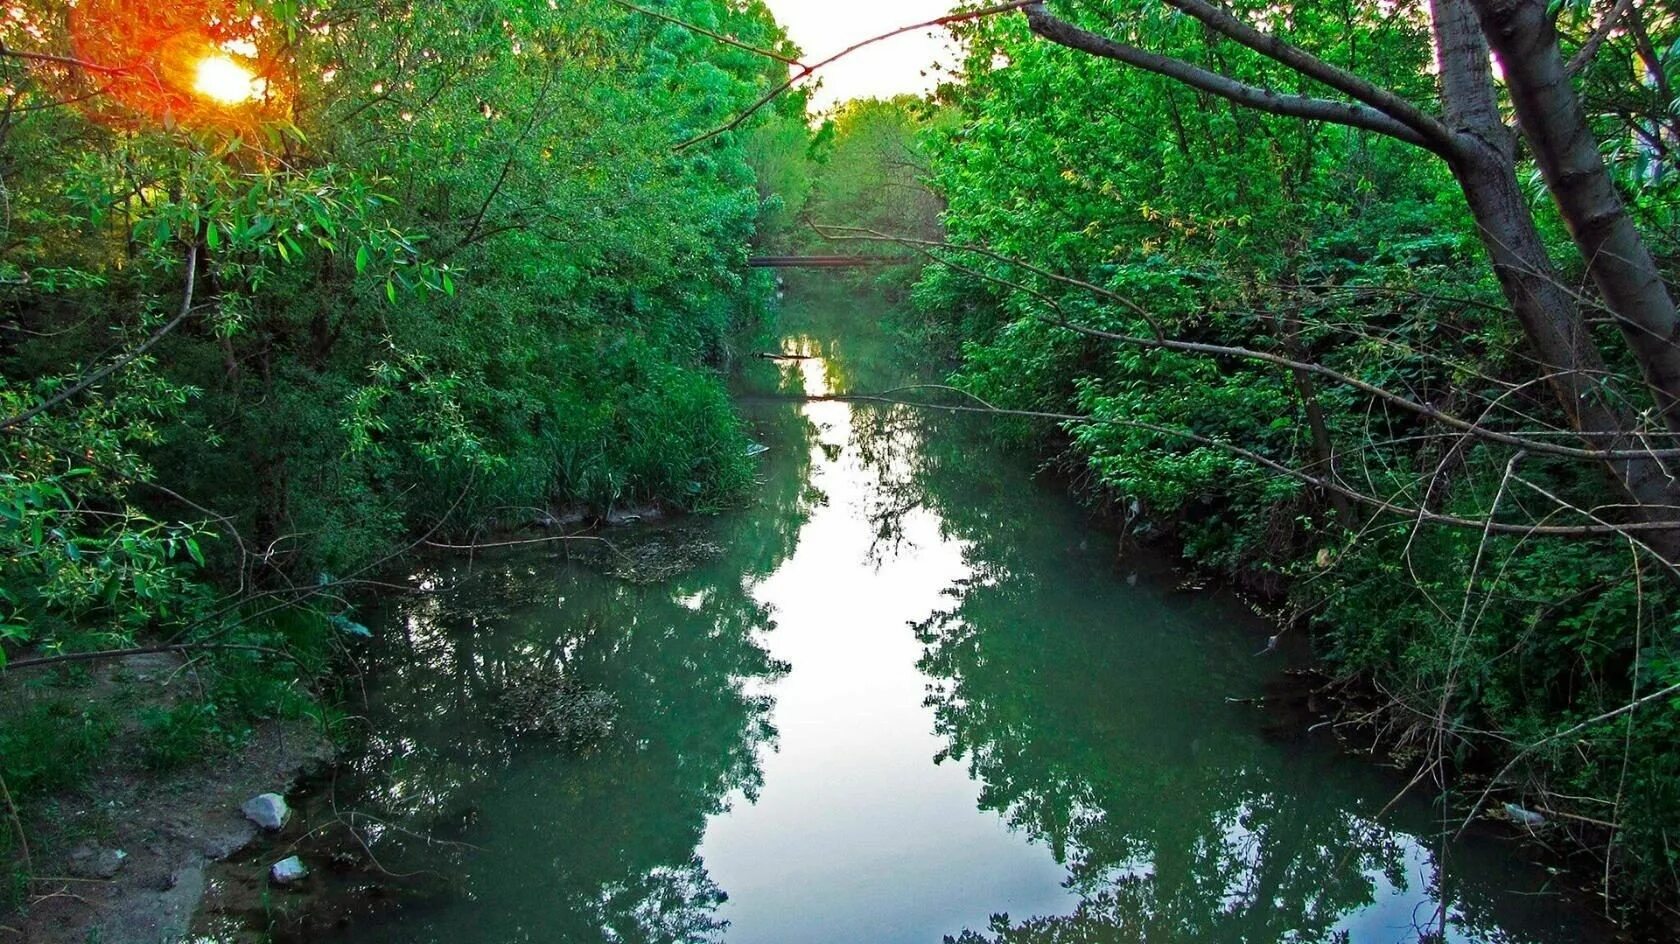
(1481, 151)
(1555, 126)
(1484, 163)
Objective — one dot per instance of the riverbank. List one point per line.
(1389, 608)
(122, 856)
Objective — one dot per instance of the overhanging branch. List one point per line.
(807, 71)
(1298, 59)
(1259, 98)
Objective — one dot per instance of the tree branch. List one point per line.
(1360, 89)
(1161, 341)
(6, 50)
(1589, 49)
(1372, 501)
(1260, 98)
(507, 164)
(807, 71)
(180, 647)
(709, 34)
(121, 362)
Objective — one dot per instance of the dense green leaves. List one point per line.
(1342, 249)
(448, 272)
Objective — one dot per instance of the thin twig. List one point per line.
(121, 362)
(1634, 705)
(807, 71)
(179, 647)
(1381, 504)
(726, 40)
(17, 824)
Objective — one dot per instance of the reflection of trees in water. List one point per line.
(889, 443)
(908, 450)
(577, 847)
(762, 537)
(1166, 841)
(1176, 822)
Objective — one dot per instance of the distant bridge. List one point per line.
(825, 262)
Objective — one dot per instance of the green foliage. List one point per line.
(447, 269)
(52, 743)
(431, 287)
(1204, 222)
(871, 166)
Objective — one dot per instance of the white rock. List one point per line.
(288, 870)
(268, 811)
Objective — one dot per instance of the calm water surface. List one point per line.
(912, 698)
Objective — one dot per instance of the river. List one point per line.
(913, 696)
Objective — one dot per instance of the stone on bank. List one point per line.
(268, 811)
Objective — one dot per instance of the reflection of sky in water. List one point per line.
(857, 835)
(979, 719)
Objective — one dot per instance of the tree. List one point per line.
(1473, 138)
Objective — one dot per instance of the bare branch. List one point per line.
(1631, 706)
(709, 34)
(179, 647)
(1589, 49)
(6, 50)
(1427, 126)
(1266, 462)
(808, 71)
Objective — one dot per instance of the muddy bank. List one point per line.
(123, 858)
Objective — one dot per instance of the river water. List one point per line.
(912, 697)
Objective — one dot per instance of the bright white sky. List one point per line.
(824, 27)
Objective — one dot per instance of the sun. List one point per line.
(223, 80)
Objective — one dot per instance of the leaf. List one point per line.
(361, 259)
(345, 624)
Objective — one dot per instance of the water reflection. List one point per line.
(598, 846)
(857, 836)
(912, 700)
(1103, 719)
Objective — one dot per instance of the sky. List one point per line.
(824, 27)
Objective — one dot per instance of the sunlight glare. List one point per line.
(225, 81)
